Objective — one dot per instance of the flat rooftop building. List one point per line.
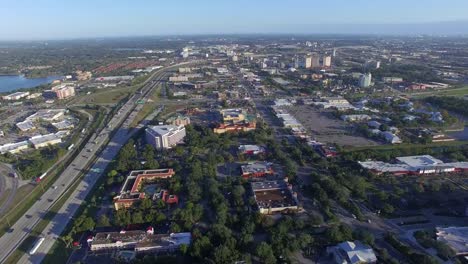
(454, 237)
(131, 192)
(251, 149)
(41, 141)
(140, 241)
(274, 196)
(14, 148)
(414, 165)
(165, 136)
(256, 169)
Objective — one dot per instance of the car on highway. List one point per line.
(54, 187)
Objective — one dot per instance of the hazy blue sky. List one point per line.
(45, 19)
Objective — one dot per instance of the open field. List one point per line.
(460, 91)
(326, 128)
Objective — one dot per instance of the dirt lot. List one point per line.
(326, 128)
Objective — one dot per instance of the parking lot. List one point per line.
(326, 128)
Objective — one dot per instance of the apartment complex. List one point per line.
(165, 136)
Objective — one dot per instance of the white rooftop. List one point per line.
(358, 252)
(419, 161)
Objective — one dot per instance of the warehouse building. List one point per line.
(414, 165)
(41, 141)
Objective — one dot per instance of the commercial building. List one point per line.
(414, 165)
(165, 136)
(256, 169)
(338, 103)
(454, 237)
(47, 115)
(235, 120)
(315, 60)
(274, 197)
(41, 141)
(365, 80)
(132, 189)
(63, 125)
(354, 118)
(25, 126)
(140, 241)
(251, 150)
(15, 96)
(352, 253)
(14, 148)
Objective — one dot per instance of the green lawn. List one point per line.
(460, 91)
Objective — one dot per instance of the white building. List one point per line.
(15, 96)
(165, 136)
(352, 253)
(14, 148)
(365, 80)
(41, 141)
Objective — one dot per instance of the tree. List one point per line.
(145, 204)
(87, 225)
(103, 220)
(265, 253)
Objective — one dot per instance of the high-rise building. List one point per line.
(64, 90)
(166, 136)
(326, 61)
(365, 80)
(303, 62)
(334, 52)
(315, 60)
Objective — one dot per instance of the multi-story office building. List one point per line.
(326, 61)
(365, 80)
(165, 137)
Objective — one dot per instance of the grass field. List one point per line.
(459, 91)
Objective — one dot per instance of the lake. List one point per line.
(10, 83)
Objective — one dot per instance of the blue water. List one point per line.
(10, 83)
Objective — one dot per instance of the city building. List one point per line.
(274, 197)
(140, 241)
(365, 80)
(326, 61)
(235, 120)
(256, 169)
(25, 126)
(178, 120)
(64, 91)
(354, 118)
(352, 253)
(133, 190)
(41, 141)
(15, 96)
(315, 60)
(63, 125)
(165, 136)
(454, 237)
(251, 150)
(414, 165)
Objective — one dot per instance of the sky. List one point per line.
(63, 19)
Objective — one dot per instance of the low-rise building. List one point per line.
(454, 237)
(414, 165)
(165, 136)
(352, 253)
(14, 148)
(41, 141)
(64, 90)
(178, 120)
(251, 150)
(274, 197)
(354, 118)
(26, 125)
(132, 192)
(15, 96)
(140, 241)
(256, 169)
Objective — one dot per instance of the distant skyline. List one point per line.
(59, 19)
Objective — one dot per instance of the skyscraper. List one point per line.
(326, 61)
(365, 80)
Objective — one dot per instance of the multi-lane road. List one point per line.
(121, 122)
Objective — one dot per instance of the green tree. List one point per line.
(265, 253)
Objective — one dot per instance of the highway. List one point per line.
(121, 121)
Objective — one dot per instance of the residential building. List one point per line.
(326, 61)
(165, 136)
(14, 148)
(64, 92)
(178, 120)
(352, 253)
(315, 60)
(132, 190)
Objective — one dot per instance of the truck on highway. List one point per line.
(36, 246)
(40, 178)
(71, 146)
